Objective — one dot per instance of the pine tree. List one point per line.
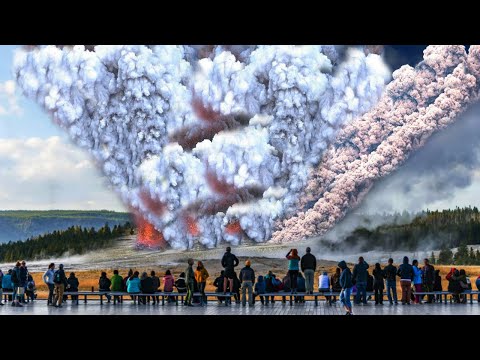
(432, 258)
(445, 256)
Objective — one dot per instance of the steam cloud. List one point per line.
(418, 102)
(204, 141)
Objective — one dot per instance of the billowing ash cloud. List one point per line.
(207, 142)
(418, 102)
(445, 168)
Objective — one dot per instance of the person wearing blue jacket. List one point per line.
(7, 283)
(260, 288)
(133, 285)
(405, 271)
(346, 284)
(417, 280)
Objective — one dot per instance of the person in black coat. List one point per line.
(229, 262)
(104, 284)
(146, 284)
(378, 284)
(72, 286)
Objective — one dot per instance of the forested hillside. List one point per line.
(20, 225)
(74, 241)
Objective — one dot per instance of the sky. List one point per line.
(40, 169)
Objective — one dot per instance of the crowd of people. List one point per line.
(246, 287)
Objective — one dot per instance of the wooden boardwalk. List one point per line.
(279, 309)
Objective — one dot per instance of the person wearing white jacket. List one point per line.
(324, 282)
(324, 285)
(48, 280)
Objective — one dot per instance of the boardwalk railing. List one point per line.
(292, 297)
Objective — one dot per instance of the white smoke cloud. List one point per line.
(171, 134)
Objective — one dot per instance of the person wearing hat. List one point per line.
(60, 281)
(247, 278)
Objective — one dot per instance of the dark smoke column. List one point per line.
(417, 103)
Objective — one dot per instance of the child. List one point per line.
(260, 287)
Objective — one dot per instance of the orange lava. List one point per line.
(192, 226)
(147, 234)
(233, 228)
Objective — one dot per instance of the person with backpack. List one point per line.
(168, 284)
(293, 268)
(346, 284)
(116, 285)
(229, 262)
(405, 272)
(360, 277)
(308, 264)
(60, 282)
(72, 286)
(378, 284)
(390, 274)
(247, 279)
(48, 280)
(16, 285)
(324, 285)
(259, 289)
(104, 285)
(30, 288)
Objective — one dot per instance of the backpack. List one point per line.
(57, 277)
(14, 276)
(30, 285)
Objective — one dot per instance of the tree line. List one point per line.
(75, 241)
